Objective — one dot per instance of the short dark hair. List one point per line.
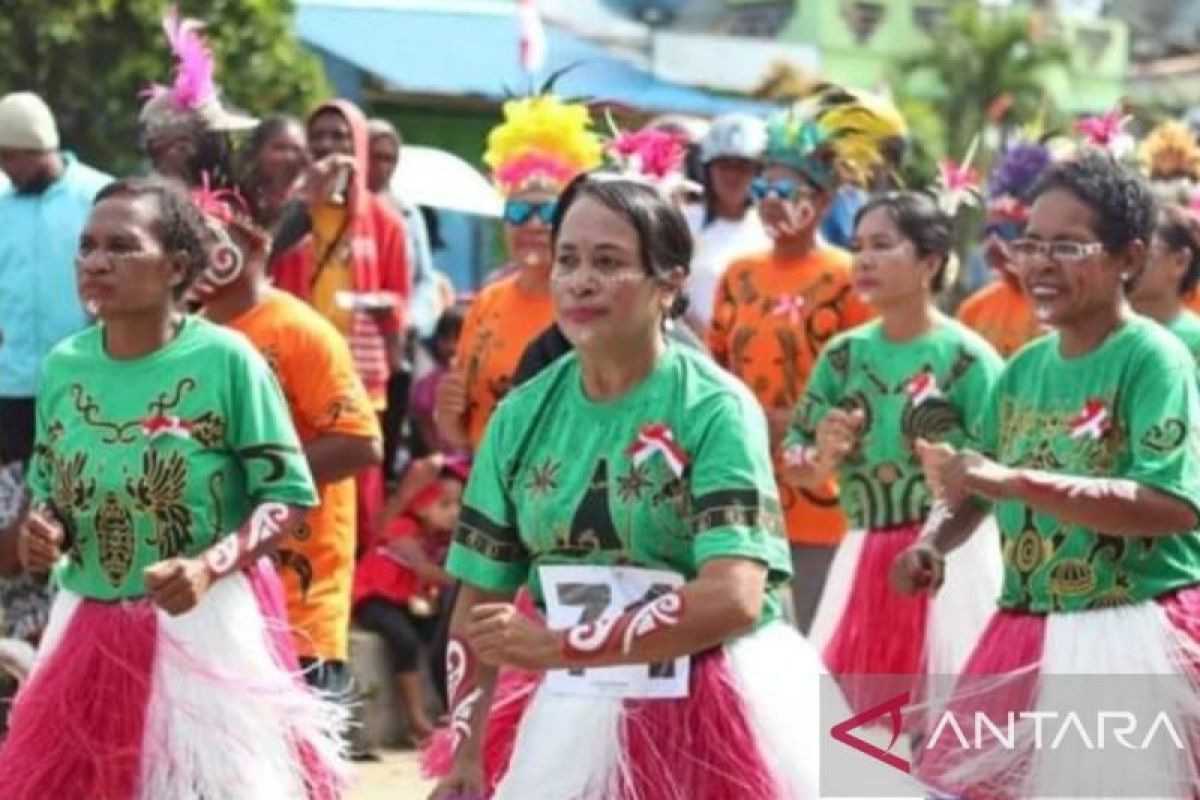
(181, 229)
(449, 323)
(1120, 199)
(921, 221)
(1178, 228)
(664, 239)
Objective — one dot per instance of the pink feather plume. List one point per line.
(651, 152)
(194, 67)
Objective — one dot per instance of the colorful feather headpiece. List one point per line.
(1171, 158)
(651, 155)
(837, 136)
(1107, 132)
(1011, 178)
(226, 206)
(543, 142)
(192, 101)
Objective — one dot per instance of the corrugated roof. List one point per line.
(459, 48)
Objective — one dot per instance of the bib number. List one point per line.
(577, 595)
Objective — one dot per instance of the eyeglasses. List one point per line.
(1060, 252)
(761, 188)
(518, 212)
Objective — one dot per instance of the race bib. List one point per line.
(580, 594)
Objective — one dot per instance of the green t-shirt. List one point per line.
(159, 456)
(1129, 409)
(935, 387)
(1187, 327)
(554, 482)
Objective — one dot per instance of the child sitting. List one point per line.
(400, 587)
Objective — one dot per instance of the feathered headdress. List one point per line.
(224, 211)
(1011, 178)
(836, 136)
(958, 183)
(652, 155)
(1171, 158)
(1107, 132)
(192, 101)
(543, 141)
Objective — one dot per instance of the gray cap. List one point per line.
(735, 136)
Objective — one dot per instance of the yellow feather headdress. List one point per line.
(543, 142)
(1170, 151)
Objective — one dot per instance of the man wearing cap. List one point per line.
(42, 213)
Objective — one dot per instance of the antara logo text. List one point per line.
(1039, 730)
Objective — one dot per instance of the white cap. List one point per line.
(26, 123)
(735, 136)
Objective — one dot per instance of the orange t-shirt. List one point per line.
(500, 324)
(326, 396)
(1002, 314)
(1192, 301)
(771, 319)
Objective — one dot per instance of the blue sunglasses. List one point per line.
(518, 212)
(761, 188)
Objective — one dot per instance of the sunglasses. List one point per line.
(761, 188)
(1060, 252)
(518, 212)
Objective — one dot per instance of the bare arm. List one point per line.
(450, 408)
(471, 685)
(177, 584)
(1112, 506)
(411, 553)
(723, 601)
(1115, 507)
(336, 456)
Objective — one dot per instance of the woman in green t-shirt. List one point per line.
(1171, 275)
(165, 469)
(1089, 459)
(629, 486)
(914, 374)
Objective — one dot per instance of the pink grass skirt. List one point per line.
(748, 729)
(1138, 659)
(127, 702)
(864, 629)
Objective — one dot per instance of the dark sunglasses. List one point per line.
(518, 212)
(761, 188)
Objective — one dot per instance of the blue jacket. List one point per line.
(39, 303)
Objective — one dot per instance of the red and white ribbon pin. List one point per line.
(166, 425)
(1092, 422)
(658, 438)
(923, 386)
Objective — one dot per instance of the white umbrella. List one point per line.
(431, 177)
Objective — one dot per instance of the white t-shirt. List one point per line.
(716, 247)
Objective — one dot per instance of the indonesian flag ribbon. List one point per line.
(1092, 422)
(531, 38)
(658, 438)
(790, 306)
(166, 425)
(922, 386)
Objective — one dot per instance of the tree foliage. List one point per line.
(983, 68)
(92, 59)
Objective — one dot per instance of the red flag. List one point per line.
(532, 36)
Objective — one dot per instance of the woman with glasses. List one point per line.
(1171, 275)
(776, 311)
(912, 375)
(629, 487)
(1089, 461)
(166, 468)
(542, 144)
